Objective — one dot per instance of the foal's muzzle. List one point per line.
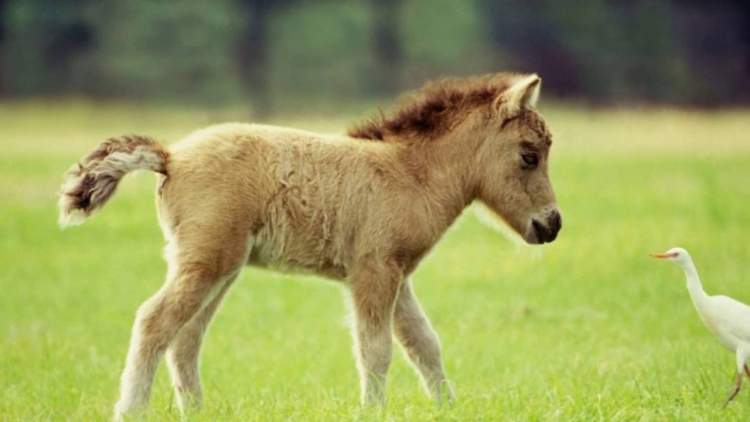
(546, 231)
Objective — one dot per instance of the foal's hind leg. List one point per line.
(196, 274)
(183, 353)
(420, 342)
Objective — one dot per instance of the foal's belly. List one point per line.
(306, 223)
(294, 256)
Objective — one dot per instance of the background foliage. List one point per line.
(286, 52)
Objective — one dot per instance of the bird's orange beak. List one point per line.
(664, 255)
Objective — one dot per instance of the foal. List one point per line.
(363, 209)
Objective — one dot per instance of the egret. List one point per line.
(726, 318)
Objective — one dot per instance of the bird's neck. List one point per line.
(694, 286)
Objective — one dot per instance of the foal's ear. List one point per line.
(522, 94)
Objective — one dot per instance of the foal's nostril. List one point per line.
(554, 222)
(541, 232)
(546, 233)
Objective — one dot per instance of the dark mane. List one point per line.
(430, 110)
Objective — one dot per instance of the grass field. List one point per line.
(588, 328)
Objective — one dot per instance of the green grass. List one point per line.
(588, 328)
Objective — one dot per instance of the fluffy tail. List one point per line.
(90, 183)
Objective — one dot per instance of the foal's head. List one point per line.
(511, 141)
(513, 160)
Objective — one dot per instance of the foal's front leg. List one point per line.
(374, 292)
(421, 344)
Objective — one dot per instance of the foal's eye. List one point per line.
(530, 160)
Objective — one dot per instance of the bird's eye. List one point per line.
(530, 160)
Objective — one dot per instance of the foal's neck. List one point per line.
(444, 169)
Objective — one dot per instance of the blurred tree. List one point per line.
(63, 44)
(743, 7)
(43, 42)
(3, 36)
(252, 52)
(680, 51)
(601, 50)
(157, 50)
(530, 31)
(714, 43)
(386, 45)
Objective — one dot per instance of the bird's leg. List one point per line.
(736, 389)
(747, 371)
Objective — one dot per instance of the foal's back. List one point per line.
(301, 196)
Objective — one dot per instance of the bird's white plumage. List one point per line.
(731, 315)
(728, 319)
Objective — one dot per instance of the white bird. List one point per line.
(726, 318)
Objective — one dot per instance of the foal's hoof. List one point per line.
(443, 393)
(124, 412)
